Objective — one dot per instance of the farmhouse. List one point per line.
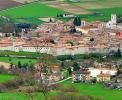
(80, 76)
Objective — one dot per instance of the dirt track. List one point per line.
(68, 7)
(5, 65)
(4, 4)
(23, 1)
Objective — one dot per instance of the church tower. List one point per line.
(114, 18)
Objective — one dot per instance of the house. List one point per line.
(102, 69)
(119, 78)
(80, 76)
(55, 77)
(55, 69)
(68, 16)
(103, 77)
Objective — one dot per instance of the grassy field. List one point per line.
(104, 7)
(49, 61)
(15, 60)
(29, 13)
(98, 4)
(103, 14)
(23, 96)
(5, 78)
(32, 10)
(30, 54)
(96, 90)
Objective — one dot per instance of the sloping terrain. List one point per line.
(4, 4)
(24, 1)
(31, 10)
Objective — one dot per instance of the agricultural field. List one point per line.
(30, 13)
(102, 14)
(68, 7)
(4, 4)
(97, 4)
(5, 78)
(16, 60)
(34, 11)
(104, 8)
(31, 10)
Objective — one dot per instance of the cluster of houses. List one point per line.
(100, 72)
(90, 37)
(53, 73)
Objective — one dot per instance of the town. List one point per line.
(57, 38)
(64, 55)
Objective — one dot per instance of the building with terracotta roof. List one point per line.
(103, 77)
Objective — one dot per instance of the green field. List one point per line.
(23, 96)
(5, 78)
(15, 60)
(29, 13)
(96, 90)
(104, 14)
(98, 4)
(32, 10)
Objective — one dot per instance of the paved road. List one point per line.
(60, 81)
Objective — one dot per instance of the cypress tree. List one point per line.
(118, 53)
(79, 21)
(75, 21)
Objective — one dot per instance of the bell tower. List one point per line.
(114, 18)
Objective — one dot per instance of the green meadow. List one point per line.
(16, 60)
(5, 78)
(103, 14)
(31, 10)
(29, 13)
(96, 90)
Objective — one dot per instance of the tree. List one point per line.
(77, 21)
(19, 64)
(76, 66)
(118, 54)
(11, 65)
(69, 70)
(50, 20)
(62, 64)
